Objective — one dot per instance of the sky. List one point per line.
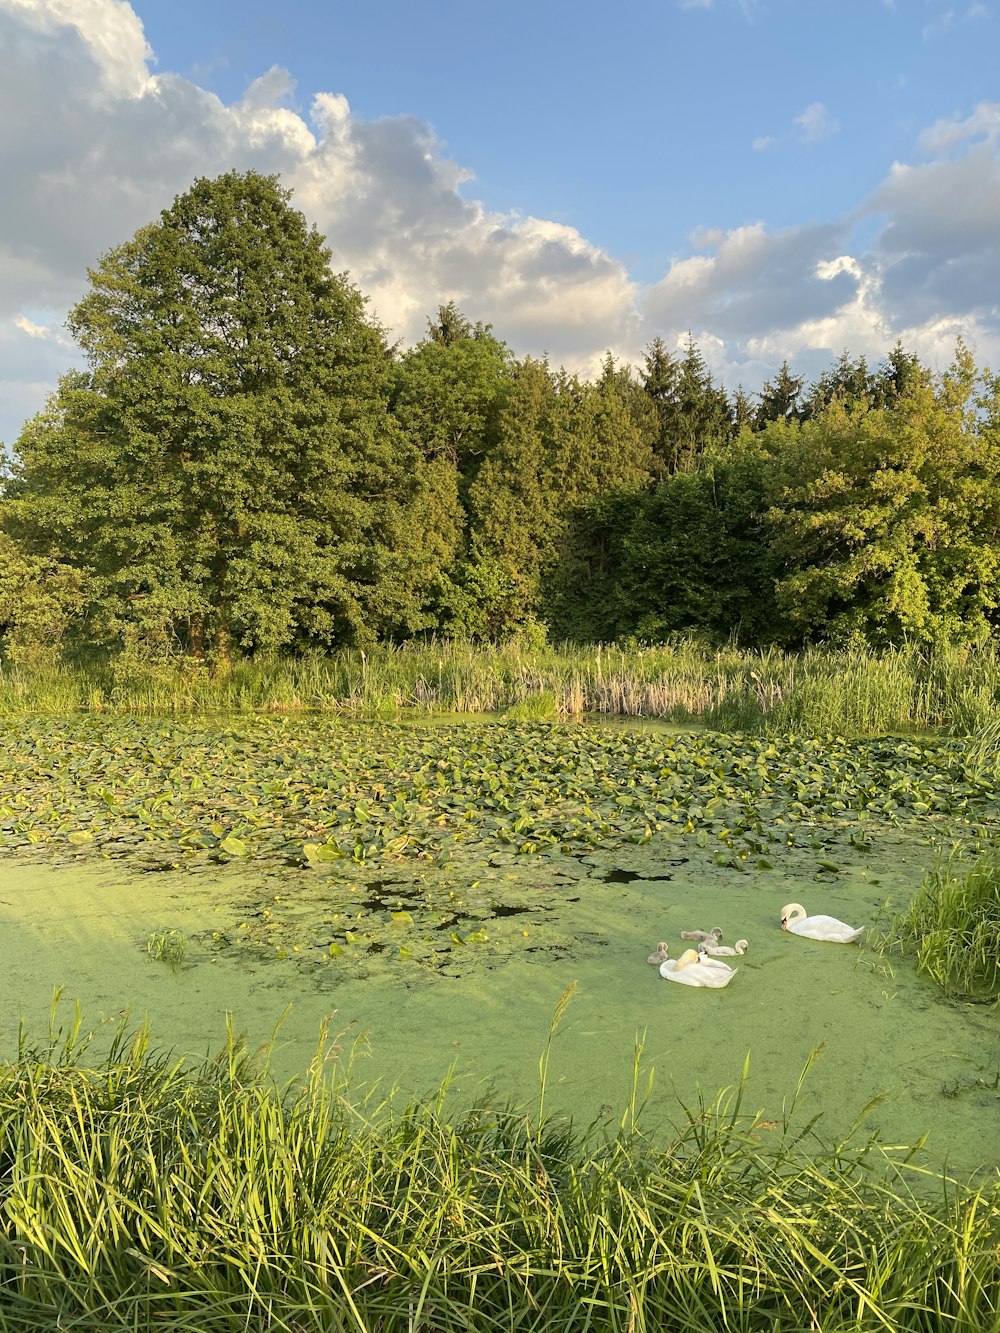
(778, 179)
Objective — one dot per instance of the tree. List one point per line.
(38, 600)
(228, 468)
(562, 442)
(693, 413)
(885, 523)
(452, 327)
(686, 556)
(741, 411)
(449, 390)
(897, 376)
(779, 398)
(848, 381)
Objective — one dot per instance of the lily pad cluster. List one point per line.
(409, 840)
(316, 791)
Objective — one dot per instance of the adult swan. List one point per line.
(692, 970)
(793, 918)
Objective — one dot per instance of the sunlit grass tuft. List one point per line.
(953, 926)
(140, 1194)
(166, 946)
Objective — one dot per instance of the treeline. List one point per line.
(248, 466)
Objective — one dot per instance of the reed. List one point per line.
(167, 946)
(953, 926)
(140, 1194)
(850, 692)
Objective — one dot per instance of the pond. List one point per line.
(435, 891)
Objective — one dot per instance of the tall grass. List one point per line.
(166, 946)
(953, 926)
(852, 692)
(138, 1195)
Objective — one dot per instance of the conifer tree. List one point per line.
(779, 398)
(693, 413)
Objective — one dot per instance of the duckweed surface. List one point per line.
(438, 888)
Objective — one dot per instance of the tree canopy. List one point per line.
(229, 468)
(247, 466)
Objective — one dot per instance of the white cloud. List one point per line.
(982, 123)
(93, 143)
(809, 126)
(931, 273)
(103, 143)
(755, 279)
(815, 122)
(112, 33)
(938, 26)
(30, 328)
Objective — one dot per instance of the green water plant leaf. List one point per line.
(320, 852)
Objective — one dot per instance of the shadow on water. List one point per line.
(462, 966)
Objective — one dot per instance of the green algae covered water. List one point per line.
(269, 946)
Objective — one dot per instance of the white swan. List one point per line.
(693, 970)
(740, 947)
(658, 955)
(793, 918)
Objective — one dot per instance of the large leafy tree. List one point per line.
(685, 556)
(228, 467)
(885, 522)
(38, 600)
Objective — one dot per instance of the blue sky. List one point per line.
(781, 179)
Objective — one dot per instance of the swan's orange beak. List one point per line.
(784, 923)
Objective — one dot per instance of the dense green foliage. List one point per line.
(247, 467)
(139, 1195)
(228, 472)
(952, 926)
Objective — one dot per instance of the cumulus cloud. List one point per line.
(928, 274)
(95, 140)
(754, 279)
(94, 143)
(940, 247)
